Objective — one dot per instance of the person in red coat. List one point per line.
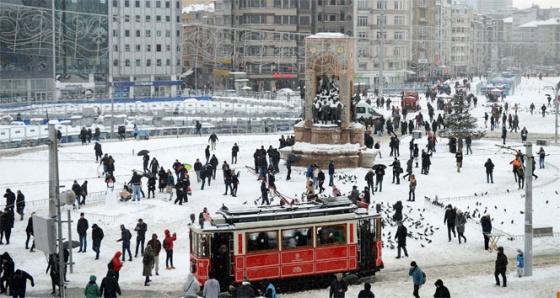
(116, 264)
(168, 246)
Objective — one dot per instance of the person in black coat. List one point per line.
(398, 207)
(400, 236)
(8, 268)
(379, 173)
(486, 224)
(331, 173)
(152, 185)
(441, 290)
(110, 286)
(141, 229)
(162, 179)
(182, 187)
(214, 162)
(82, 228)
(449, 218)
(98, 151)
(77, 191)
(489, 165)
(7, 221)
(20, 203)
(203, 177)
(501, 267)
(10, 198)
(366, 292)
(369, 180)
(29, 232)
(83, 192)
(338, 287)
(146, 160)
(234, 151)
(19, 283)
(96, 236)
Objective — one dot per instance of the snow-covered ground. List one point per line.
(466, 269)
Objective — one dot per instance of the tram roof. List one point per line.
(251, 213)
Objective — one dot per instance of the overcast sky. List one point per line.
(541, 3)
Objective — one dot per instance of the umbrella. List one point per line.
(293, 158)
(375, 167)
(66, 243)
(143, 152)
(187, 166)
(547, 94)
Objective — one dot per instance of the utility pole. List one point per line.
(556, 102)
(382, 47)
(54, 201)
(112, 94)
(528, 254)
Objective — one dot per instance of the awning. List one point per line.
(187, 73)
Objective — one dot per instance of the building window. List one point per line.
(167, 4)
(148, 19)
(137, 33)
(116, 62)
(127, 48)
(116, 48)
(167, 18)
(137, 18)
(158, 48)
(304, 21)
(379, 35)
(362, 4)
(399, 35)
(399, 20)
(304, 4)
(178, 62)
(167, 33)
(148, 48)
(178, 33)
(293, 20)
(332, 18)
(115, 33)
(277, 20)
(126, 3)
(362, 35)
(158, 33)
(115, 3)
(398, 51)
(127, 62)
(136, 3)
(148, 33)
(177, 19)
(168, 62)
(148, 3)
(381, 4)
(382, 21)
(158, 4)
(149, 62)
(177, 5)
(138, 48)
(168, 48)
(362, 20)
(127, 18)
(126, 33)
(158, 62)
(399, 5)
(158, 18)
(138, 63)
(362, 52)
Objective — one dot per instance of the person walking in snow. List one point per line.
(450, 218)
(412, 188)
(501, 267)
(20, 203)
(418, 278)
(110, 286)
(19, 283)
(400, 236)
(141, 228)
(489, 165)
(82, 228)
(156, 246)
(213, 139)
(542, 155)
(169, 184)
(125, 238)
(148, 263)
(338, 287)
(460, 221)
(96, 237)
(168, 246)
(441, 290)
(520, 263)
(29, 232)
(92, 289)
(486, 224)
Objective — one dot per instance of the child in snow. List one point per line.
(520, 263)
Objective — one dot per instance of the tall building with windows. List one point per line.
(461, 38)
(424, 45)
(145, 48)
(37, 66)
(386, 22)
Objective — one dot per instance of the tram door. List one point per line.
(222, 258)
(366, 240)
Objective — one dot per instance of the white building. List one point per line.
(145, 48)
(462, 39)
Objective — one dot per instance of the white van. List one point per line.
(363, 109)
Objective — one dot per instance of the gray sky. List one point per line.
(541, 3)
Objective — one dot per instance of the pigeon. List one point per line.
(475, 194)
(505, 210)
(485, 194)
(507, 190)
(244, 203)
(556, 191)
(495, 207)
(422, 245)
(512, 221)
(547, 201)
(521, 212)
(502, 223)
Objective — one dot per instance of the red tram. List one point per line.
(305, 243)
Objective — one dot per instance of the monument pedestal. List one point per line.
(319, 144)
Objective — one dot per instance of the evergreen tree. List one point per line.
(459, 121)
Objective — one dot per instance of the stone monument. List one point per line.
(327, 132)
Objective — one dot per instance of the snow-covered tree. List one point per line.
(459, 121)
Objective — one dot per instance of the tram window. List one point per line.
(296, 238)
(199, 245)
(262, 241)
(331, 234)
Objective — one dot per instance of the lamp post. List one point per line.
(556, 89)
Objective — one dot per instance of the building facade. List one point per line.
(37, 66)
(145, 48)
(462, 48)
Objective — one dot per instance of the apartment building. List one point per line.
(443, 37)
(145, 48)
(424, 50)
(462, 35)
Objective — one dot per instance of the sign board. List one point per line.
(44, 233)
(423, 61)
